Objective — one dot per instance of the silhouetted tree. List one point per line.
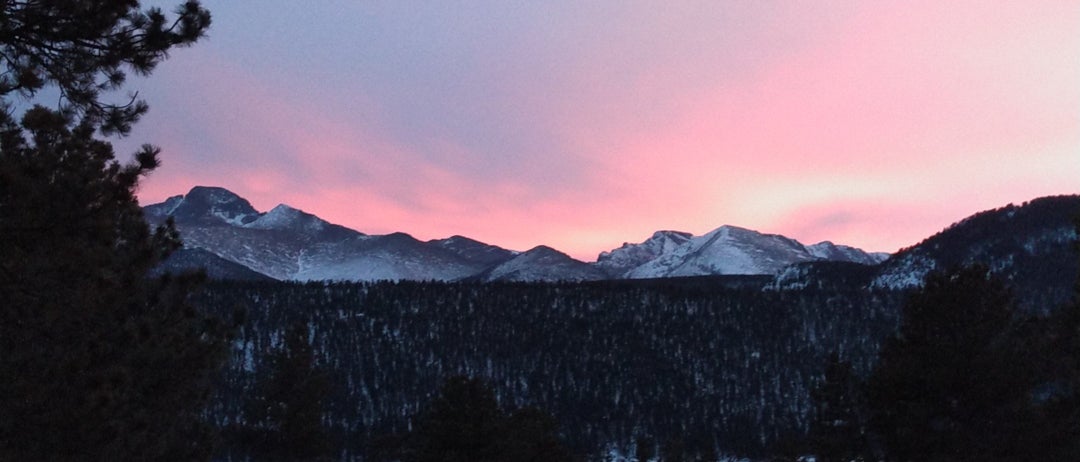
(954, 383)
(673, 450)
(837, 432)
(286, 409)
(644, 448)
(465, 423)
(532, 436)
(85, 48)
(708, 454)
(98, 361)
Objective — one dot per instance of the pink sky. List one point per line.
(872, 124)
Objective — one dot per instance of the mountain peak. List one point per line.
(542, 263)
(213, 193)
(283, 208)
(667, 233)
(210, 204)
(473, 250)
(826, 250)
(282, 216)
(287, 242)
(616, 263)
(543, 250)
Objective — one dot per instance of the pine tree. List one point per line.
(954, 383)
(673, 450)
(98, 361)
(86, 48)
(644, 449)
(286, 411)
(532, 436)
(837, 432)
(464, 423)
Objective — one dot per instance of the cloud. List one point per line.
(582, 127)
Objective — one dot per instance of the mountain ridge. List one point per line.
(287, 243)
(1031, 246)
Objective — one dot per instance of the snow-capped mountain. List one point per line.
(618, 262)
(725, 250)
(542, 263)
(828, 251)
(289, 244)
(205, 206)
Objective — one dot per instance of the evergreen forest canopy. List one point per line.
(686, 368)
(707, 367)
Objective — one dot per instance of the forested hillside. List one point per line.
(711, 368)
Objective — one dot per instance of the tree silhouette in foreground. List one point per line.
(464, 423)
(85, 50)
(98, 361)
(956, 382)
(837, 432)
(286, 410)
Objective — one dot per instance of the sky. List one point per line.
(584, 125)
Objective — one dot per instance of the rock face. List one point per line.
(617, 263)
(286, 243)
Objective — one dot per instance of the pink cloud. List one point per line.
(871, 124)
(903, 107)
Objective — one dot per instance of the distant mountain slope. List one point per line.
(826, 250)
(473, 250)
(617, 263)
(725, 250)
(1030, 245)
(186, 260)
(542, 263)
(286, 243)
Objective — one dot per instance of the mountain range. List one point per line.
(226, 235)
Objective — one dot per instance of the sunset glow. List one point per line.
(581, 126)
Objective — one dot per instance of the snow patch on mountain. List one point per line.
(283, 217)
(826, 250)
(381, 266)
(905, 272)
(792, 277)
(725, 250)
(618, 262)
